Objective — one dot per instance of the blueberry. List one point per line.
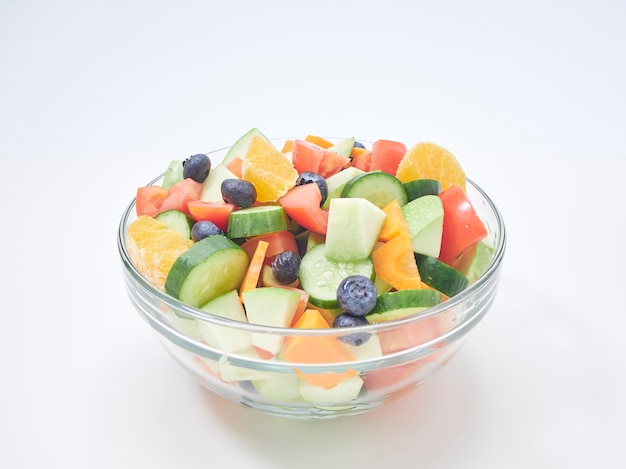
(197, 167)
(204, 229)
(348, 320)
(359, 145)
(285, 267)
(356, 295)
(308, 177)
(238, 192)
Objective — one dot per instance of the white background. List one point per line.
(96, 97)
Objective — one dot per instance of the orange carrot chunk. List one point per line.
(319, 141)
(251, 279)
(394, 263)
(394, 223)
(287, 146)
(316, 349)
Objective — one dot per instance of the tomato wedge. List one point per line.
(332, 163)
(149, 200)
(302, 205)
(306, 156)
(278, 241)
(180, 194)
(217, 212)
(462, 228)
(362, 160)
(386, 156)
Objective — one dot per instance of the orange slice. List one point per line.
(271, 173)
(153, 248)
(431, 161)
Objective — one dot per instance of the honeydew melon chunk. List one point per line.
(212, 185)
(424, 217)
(314, 239)
(173, 174)
(343, 147)
(369, 349)
(381, 286)
(230, 372)
(482, 259)
(240, 147)
(228, 339)
(338, 181)
(353, 228)
(270, 306)
(279, 387)
(342, 393)
(183, 323)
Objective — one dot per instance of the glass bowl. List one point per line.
(398, 356)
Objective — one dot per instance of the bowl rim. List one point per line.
(469, 320)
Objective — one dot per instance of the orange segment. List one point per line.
(271, 173)
(431, 161)
(153, 248)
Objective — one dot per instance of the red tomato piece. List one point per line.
(278, 241)
(180, 194)
(217, 212)
(302, 205)
(306, 156)
(386, 156)
(149, 200)
(462, 228)
(332, 163)
(362, 161)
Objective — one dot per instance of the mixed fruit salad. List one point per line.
(314, 234)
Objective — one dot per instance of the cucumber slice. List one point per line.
(254, 221)
(320, 276)
(176, 220)
(240, 147)
(401, 303)
(380, 188)
(419, 187)
(440, 276)
(208, 269)
(173, 174)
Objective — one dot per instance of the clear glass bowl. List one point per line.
(398, 357)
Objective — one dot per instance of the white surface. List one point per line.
(97, 97)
